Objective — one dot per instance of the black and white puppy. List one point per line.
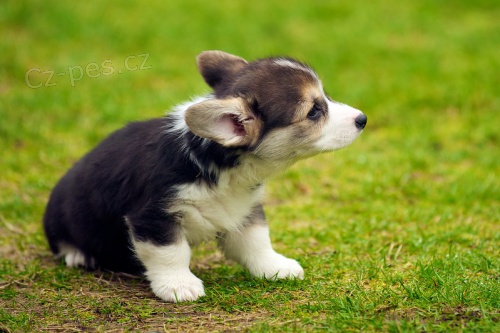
(142, 197)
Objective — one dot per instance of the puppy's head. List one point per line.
(274, 108)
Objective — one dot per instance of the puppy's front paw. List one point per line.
(178, 287)
(276, 266)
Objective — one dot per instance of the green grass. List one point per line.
(399, 232)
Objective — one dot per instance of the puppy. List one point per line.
(151, 190)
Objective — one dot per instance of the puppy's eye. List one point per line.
(314, 113)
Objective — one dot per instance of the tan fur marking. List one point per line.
(310, 93)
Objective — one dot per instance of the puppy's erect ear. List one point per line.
(216, 66)
(229, 122)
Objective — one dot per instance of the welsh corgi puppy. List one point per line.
(151, 190)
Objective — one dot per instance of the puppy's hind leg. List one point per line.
(74, 257)
(251, 247)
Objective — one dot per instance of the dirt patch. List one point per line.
(460, 313)
(124, 304)
(41, 297)
(457, 316)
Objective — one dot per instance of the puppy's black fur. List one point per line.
(131, 174)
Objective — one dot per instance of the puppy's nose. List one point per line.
(361, 121)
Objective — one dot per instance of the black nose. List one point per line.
(361, 121)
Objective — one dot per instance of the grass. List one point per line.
(397, 233)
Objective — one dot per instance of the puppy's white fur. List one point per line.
(294, 65)
(73, 257)
(168, 266)
(168, 271)
(208, 210)
(339, 131)
(251, 247)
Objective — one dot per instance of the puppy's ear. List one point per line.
(216, 66)
(229, 122)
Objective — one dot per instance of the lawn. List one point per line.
(399, 232)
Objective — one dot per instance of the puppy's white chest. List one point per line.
(208, 210)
